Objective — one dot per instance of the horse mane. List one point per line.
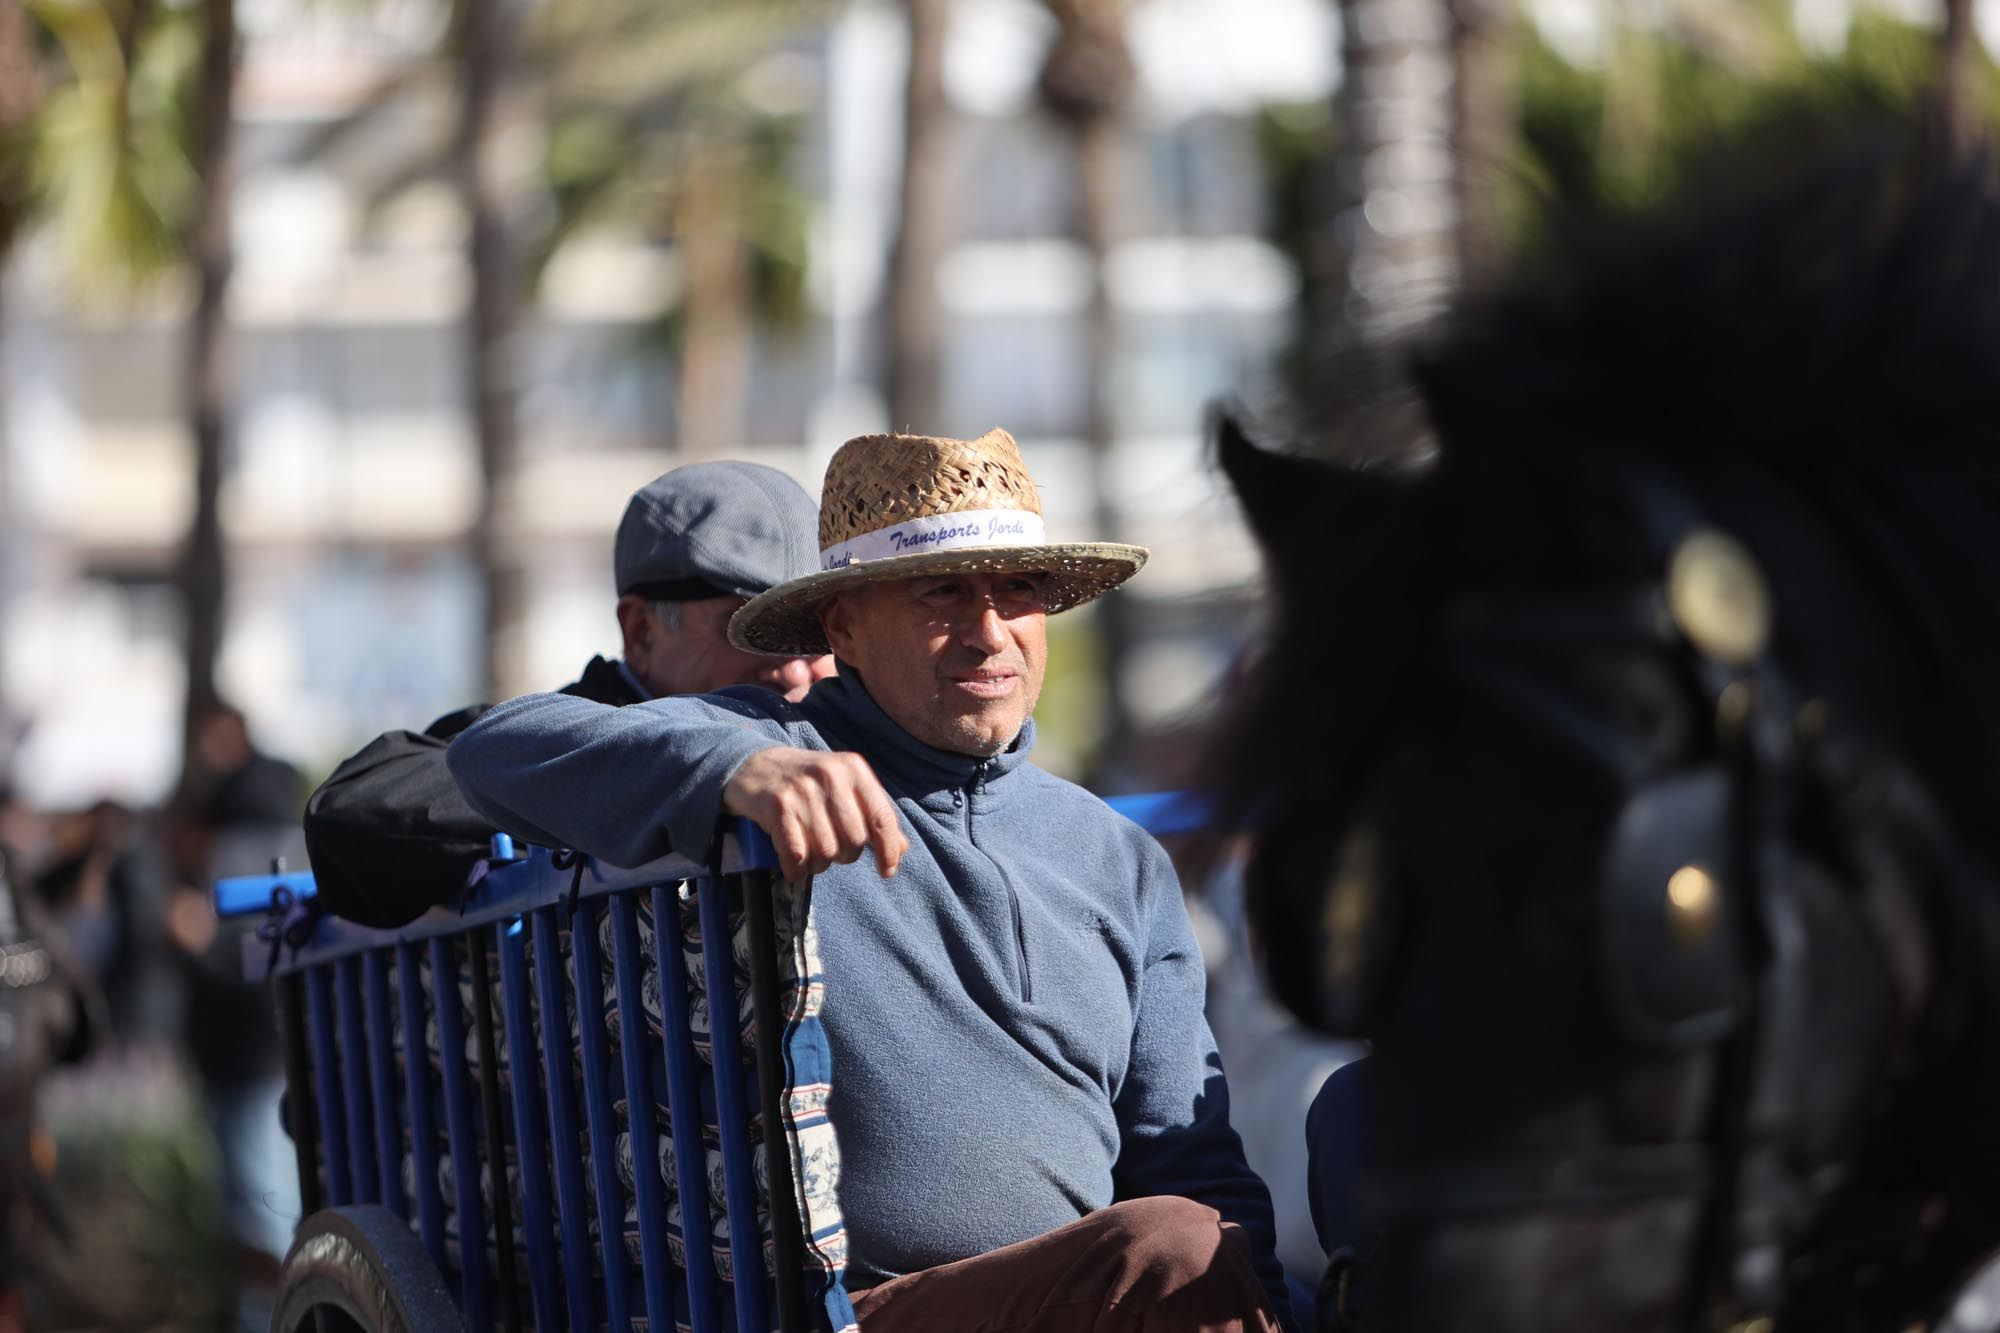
(1833, 339)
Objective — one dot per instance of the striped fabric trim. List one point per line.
(808, 1083)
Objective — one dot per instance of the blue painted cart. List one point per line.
(460, 1171)
(461, 1094)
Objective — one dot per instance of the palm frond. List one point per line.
(709, 43)
(108, 165)
(390, 90)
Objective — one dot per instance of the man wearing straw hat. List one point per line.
(1032, 1119)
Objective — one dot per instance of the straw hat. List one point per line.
(903, 506)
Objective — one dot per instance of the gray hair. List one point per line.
(668, 614)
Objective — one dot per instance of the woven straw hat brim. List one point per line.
(784, 622)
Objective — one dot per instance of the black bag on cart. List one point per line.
(389, 834)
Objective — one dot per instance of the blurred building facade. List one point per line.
(353, 475)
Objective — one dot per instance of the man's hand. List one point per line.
(819, 809)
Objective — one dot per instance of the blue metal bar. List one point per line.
(537, 1223)
(326, 1083)
(753, 845)
(1165, 813)
(354, 1079)
(646, 1188)
(382, 1083)
(250, 895)
(289, 992)
(556, 1081)
(732, 1107)
(603, 1122)
(417, 1104)
(473, 1299)
(684, 1107)
(493, 1119)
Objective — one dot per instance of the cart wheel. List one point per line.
(360, 1270)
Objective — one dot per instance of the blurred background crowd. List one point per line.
(334, 337)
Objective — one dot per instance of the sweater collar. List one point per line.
(842, 707)
(638, 687)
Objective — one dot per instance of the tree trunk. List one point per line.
(913, 373)
(1634, 96)
(1391, 253)
(20, 93)
(1102, 181)
(1397, 179)
(1482, 130)
(483, 49)
(202, 575)
(1958, 103)
(1086, 82)
(715, 342)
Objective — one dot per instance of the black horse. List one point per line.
(1630, 776)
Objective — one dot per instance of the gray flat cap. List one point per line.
(715, 529)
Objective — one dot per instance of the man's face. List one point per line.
(684, 648)
(957, 660)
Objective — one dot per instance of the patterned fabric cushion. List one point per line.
(808, 1133)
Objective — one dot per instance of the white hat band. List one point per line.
(965, 530)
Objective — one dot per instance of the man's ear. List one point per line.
(635, 626)
(836, 619)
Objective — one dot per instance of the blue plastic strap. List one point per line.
(537, 1222)
(589, 981)
(732, 1105)
(410, 1000)
(633, 1044)
(565, 1145)
(458, 1115)
(354, 1079)
(684, 1105)
(382, 1083)
(326, 1084)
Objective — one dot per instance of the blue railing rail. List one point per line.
(1165, 814)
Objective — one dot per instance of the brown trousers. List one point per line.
(1161, 1265)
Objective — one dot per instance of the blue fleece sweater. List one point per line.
(1016, 1017)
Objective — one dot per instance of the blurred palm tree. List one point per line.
(701, 160)
(95, 124)
(1481, 118)
(1677, 79)
(1402, 205)
(21, 87)
(96, 140)
(924, 221)
(674, 121)
(1957, 106)
(20, 94)
(1590, 142)
(202, 574)
(482, 39)
(1396, 206)
(644, 119)
(1086, 82)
